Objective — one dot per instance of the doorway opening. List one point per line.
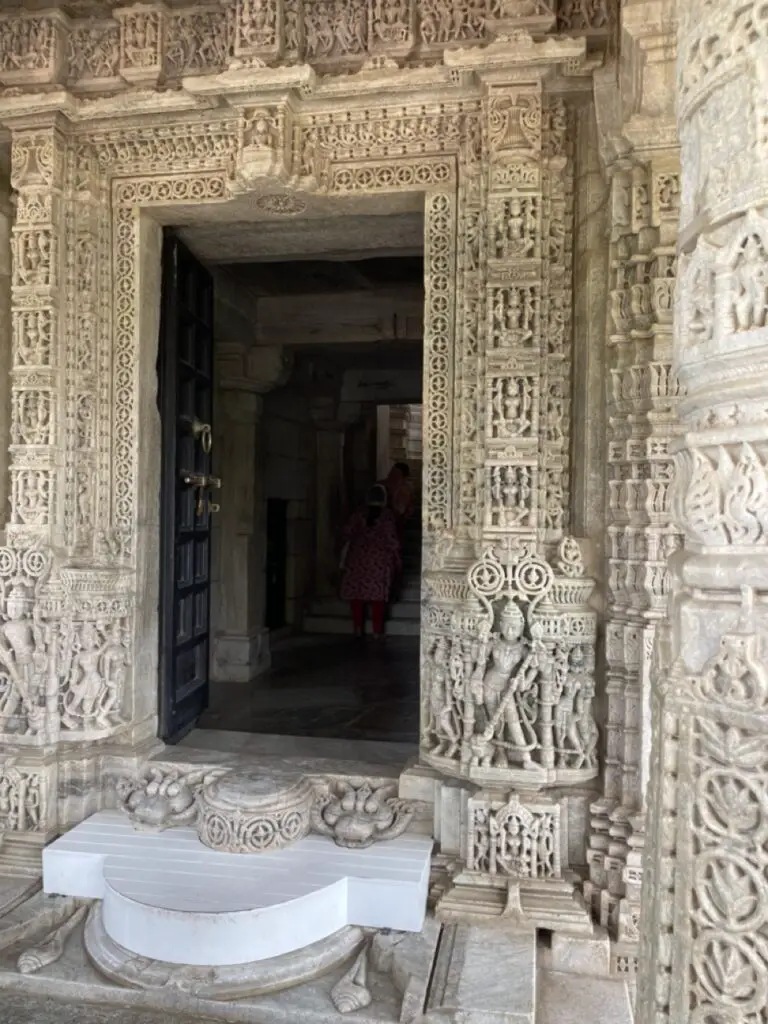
(316, 395)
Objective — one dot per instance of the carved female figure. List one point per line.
(22, 655)
(508, 676)
(86, 685)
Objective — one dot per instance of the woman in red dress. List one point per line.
(371, 560)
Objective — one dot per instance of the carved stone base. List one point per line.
(227, 982)
(555, 904)
(254, 812)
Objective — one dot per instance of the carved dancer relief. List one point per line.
(141, 42)
(23, 799)
(25, 642)
(511, 683)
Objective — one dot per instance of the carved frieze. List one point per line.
(148, 43)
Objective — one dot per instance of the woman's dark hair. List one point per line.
(404, 468)
(376, 502)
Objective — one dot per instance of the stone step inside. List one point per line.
(340, 609)
(168, 897)
(337, 626)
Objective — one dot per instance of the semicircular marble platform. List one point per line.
(168, 897)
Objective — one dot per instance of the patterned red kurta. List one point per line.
(373, 557)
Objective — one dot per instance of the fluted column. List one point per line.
(704, 932)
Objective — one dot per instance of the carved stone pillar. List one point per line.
(240, 638)
(704, 929)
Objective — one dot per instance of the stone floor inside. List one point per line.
(329, 687)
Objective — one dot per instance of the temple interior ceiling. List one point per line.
(263, 227)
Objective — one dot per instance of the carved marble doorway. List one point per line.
(307, 339)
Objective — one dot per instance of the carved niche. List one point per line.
(508, 683)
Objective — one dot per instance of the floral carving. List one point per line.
(161, 798)
(723, 495)
(356, 815)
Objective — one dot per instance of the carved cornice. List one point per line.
(148, 44)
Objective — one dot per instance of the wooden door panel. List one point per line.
(185, 367)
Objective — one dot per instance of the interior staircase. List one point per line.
(332, 616)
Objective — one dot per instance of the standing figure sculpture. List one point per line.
(497, 693)
(22, 658)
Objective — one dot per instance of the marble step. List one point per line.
(168, 897)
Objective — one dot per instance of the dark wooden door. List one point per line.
(277, 562)
(185, 367)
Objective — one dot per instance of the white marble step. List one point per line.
(167, 896)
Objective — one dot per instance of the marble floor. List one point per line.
(327, 687)
(21, 1008)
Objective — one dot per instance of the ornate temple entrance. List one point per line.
(494, 162)
(485, 119)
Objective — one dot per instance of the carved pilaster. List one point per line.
(703, 931)
(244, 373)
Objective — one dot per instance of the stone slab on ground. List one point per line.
(581, 954)
(489, 975)
(570, 999)
(250, 907)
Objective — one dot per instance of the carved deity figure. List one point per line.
(584, 734)
(23, 657)
(498, 691)
(439, 722)
(95, 663)
(750, 305)
(85, 681)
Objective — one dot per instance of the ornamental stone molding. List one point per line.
(252, 812)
